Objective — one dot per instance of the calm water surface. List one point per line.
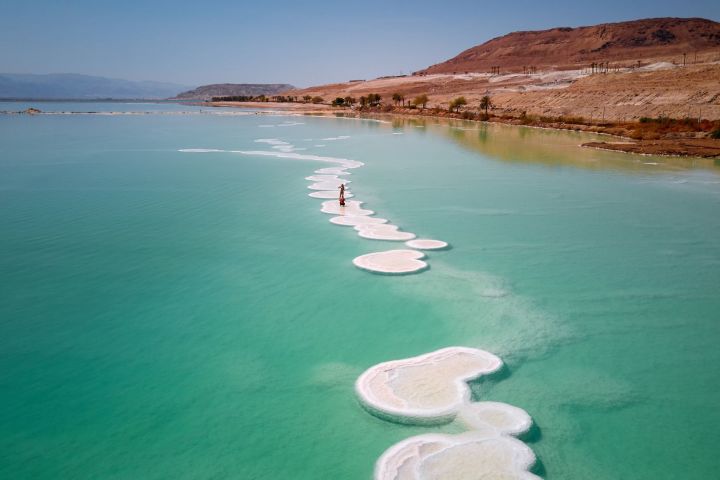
(175, 315)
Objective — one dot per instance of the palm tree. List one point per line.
(396, 98)
(373, 99)
(307, 98)
(485, 103)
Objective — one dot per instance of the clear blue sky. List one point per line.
(300, 42)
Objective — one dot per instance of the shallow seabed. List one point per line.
(176, 315)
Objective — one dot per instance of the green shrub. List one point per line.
(715, 133)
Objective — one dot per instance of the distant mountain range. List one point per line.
(206, 92)
(82, 87)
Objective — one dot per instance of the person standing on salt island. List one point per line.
(342, 194)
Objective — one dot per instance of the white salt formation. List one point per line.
(502, 418)
(427, 389)
(329, 194)
(426, 244)
(326, 182)
(332, 171)
(346, 163)
(374, 231)
(432, 388)
(467, 456)
(392, 262)
(353, 220)
(351, 207)
(326, 185)
(327, 178)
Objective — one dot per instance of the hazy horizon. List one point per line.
(279, 42)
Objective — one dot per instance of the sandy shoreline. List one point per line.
(683, 146)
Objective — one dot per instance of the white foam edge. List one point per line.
(351, 207)
(375, 404)
(408, 458)
(329, 194)
(383, 232)
(426, 244)
(392, 262)
(353, 220)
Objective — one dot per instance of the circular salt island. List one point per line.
(426, 244)
(374, 231)
(500, 417)
(392, 262)
(328, 194)
(351, 207)
(467, 455)
(354, 220)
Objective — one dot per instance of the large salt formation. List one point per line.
(429, 388)
(467, 456)
(432, 388)
(392, 262)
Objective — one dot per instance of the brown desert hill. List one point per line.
(645, 73)
(626, 42)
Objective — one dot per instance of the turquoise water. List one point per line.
(116, 106)
(177, 315)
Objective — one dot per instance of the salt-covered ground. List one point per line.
(392, 262)
(433, 388)
(380, 231)
(470, 455)
(354, 220)
(351, 207)
(426, 244)
(328, 194)
(429, 388)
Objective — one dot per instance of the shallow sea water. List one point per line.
(194, 315)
